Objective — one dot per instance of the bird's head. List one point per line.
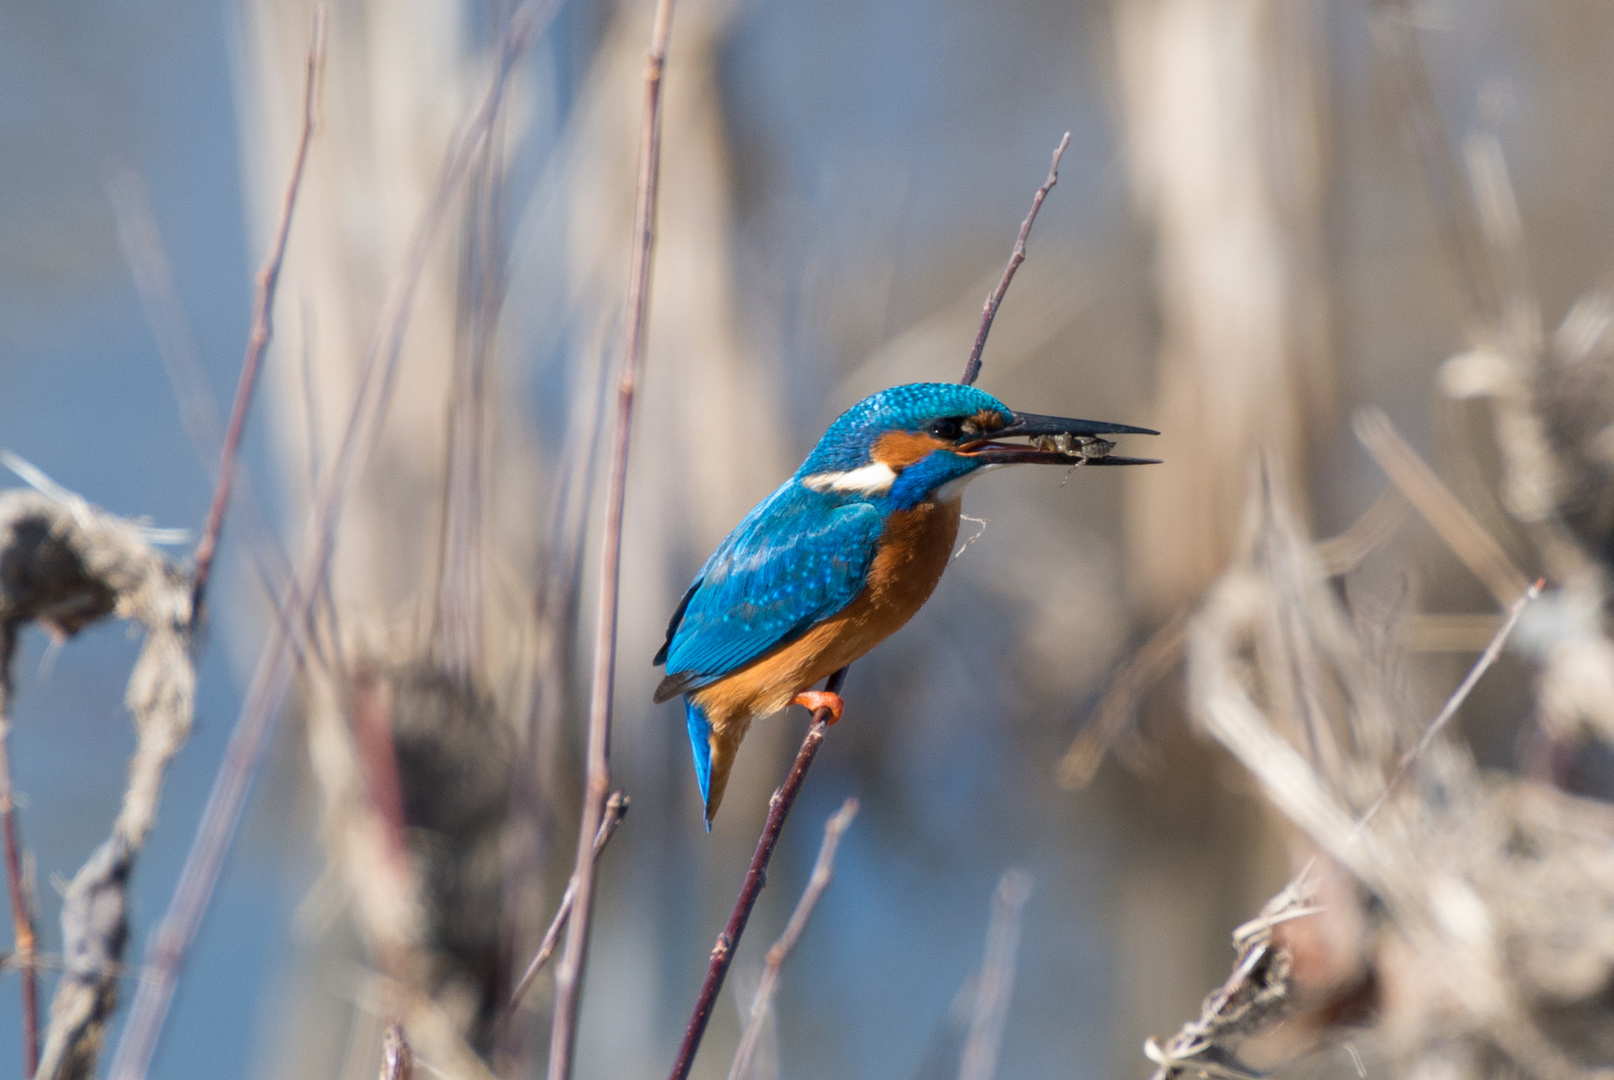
(926, 440)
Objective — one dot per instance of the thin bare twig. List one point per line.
(22, 916)
(980, 1058)
(569, 971)
(1492, 652)
(1467, 538)
(262, 330)
(817, 882)
(616, 807)
(153, 277)
(972, 367)
(755, 875)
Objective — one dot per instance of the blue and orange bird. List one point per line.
(842, 555)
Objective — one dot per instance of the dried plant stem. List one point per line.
(972, 367)
(262, 330)
(980, 1057)
(616, 807)
(817, 882)
(22, 921)
(755, 876)
(1467, 538)
(1492, 652)
(569, 971)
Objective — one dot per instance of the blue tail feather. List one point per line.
(700, 739)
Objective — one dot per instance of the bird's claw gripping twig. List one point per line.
(814, 700)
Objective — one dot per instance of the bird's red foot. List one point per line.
(821, 699)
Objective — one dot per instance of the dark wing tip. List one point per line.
(672, 626)
(673, 685)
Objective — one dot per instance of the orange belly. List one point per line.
(913, 552)
(912, 555)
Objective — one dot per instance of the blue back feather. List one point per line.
(797, 559)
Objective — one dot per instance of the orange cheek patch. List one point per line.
(899, 449)
(988, 420)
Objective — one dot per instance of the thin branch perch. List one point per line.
(817, 882)
(569, 971)
(972, 367)
(755, 876)
(262, 330)
(616, 808)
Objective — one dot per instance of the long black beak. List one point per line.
(1055, 440)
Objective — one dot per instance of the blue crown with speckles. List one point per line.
(911, 407)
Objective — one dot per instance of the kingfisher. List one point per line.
(843, 554)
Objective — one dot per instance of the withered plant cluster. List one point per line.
(1442, 921)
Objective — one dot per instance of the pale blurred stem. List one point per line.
(22, 920)
(1455, 218)
(972, 367)
(262, 330)
(569, 972)
(755, 876)
(616, 807)
(993, 989)
(817, 882)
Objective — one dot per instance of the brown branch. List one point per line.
(755, 876)
(569, 971)
(817, 882)
(972, 368)
(616, 808)
(22, 918)
(262, 330)
(153, 277)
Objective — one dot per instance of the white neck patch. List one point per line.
(954, 488)
(872, 479)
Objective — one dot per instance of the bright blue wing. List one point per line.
(797, 558)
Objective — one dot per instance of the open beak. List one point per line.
(1055, 440)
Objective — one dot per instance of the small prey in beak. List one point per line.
(1055, 440)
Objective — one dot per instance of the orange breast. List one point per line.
(912, 555)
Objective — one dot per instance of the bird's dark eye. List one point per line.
(946, 428)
